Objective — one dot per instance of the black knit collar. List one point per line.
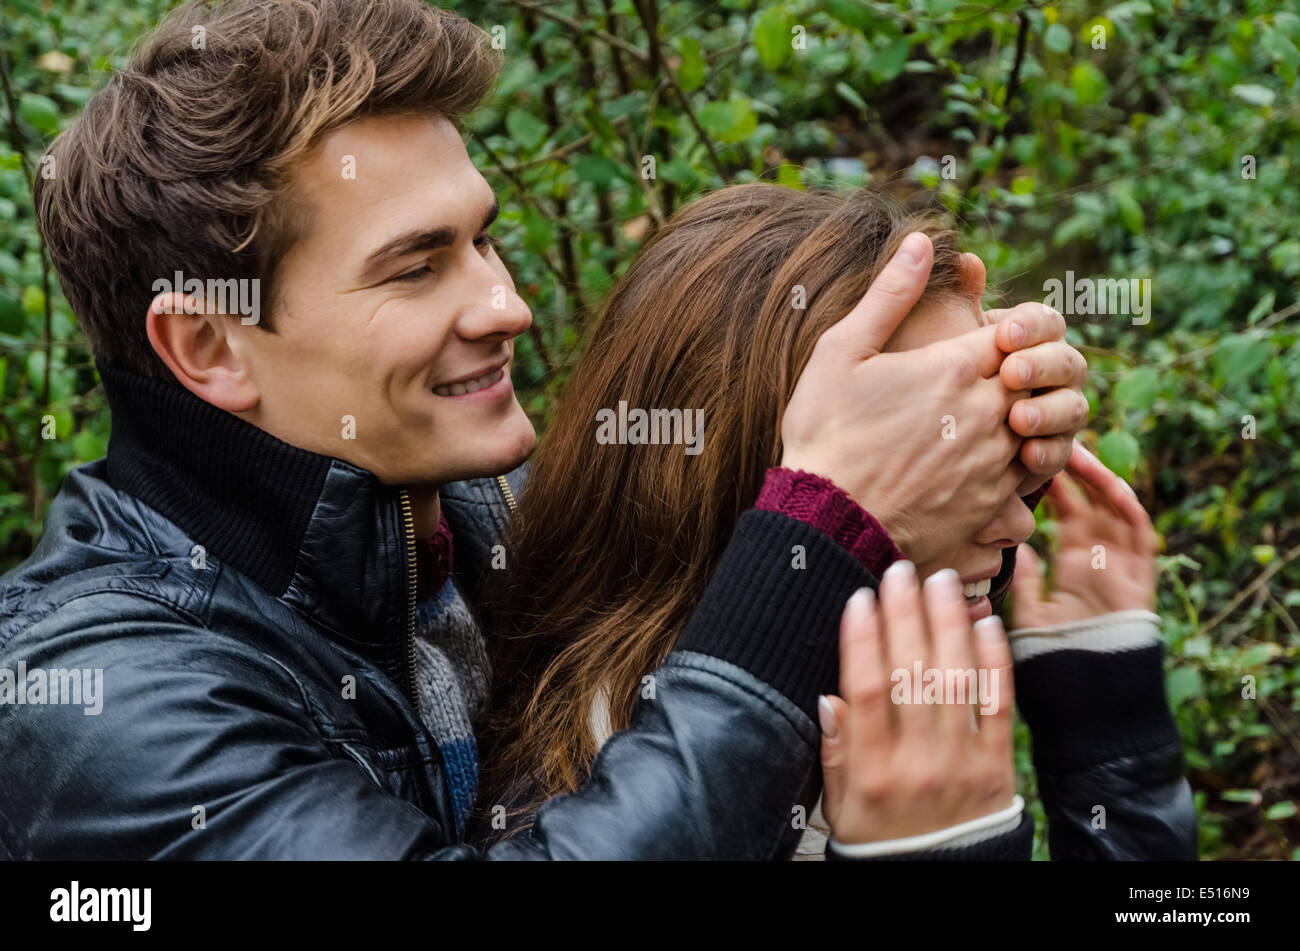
(318, 532)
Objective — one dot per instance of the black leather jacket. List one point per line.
(231, 587)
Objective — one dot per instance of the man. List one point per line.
(245, 566)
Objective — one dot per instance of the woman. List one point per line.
(718, 315)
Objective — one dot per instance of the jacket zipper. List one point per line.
(412, 579)
(408, 527)
(507, 491)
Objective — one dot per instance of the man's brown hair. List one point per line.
(183, 161)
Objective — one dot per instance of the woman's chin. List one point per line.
(980, 608)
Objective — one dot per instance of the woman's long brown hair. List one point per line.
(612, 546)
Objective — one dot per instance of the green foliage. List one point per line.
(1141, 140)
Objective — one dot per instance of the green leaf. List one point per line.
(1196, 647)
(539, 233)
(88, 446)
(1253, 94)
(598, 170)
(1280, 810)
(691, 72)
(1130, 212)
(888, 62)
(77, 95)
(772, 38)
(1239, 358)
(1119, 451)
(597, 122)
(33, 300)
(1263, 306)
(1183, 684)
(678, 171)
(1057, 38)
(851, 95)
(525, 128)
(853, 14)
(1139, 389)
(40, 112)
(1257, 655)
(1088, 84)
(731, 121)
(1251, 796)
(11, 314)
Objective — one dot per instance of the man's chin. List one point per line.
(503, 455)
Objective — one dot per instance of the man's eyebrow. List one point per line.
(420, 240)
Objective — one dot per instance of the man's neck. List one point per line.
(425, 508)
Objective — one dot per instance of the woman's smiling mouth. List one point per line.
(470, 386)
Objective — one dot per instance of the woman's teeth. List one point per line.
(976, 589)
(470, 386)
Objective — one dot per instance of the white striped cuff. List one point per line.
(1105, 633)
(953, 837)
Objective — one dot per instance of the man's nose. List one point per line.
(492, 308)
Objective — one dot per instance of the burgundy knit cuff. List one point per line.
(819, 502)
(433, 561)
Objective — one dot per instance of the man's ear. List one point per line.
(202, 351)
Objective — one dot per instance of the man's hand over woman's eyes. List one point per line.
(1040, 361)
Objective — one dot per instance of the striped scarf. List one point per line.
(452, 671)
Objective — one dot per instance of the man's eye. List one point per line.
(412, 276)
(485, 241)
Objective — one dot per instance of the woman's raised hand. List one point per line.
(1106, 560)
(898, 769)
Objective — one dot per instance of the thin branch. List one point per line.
(1252, 588)
(1013, 84)
(580, 27)
(649, 19)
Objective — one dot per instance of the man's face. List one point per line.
(392, 305)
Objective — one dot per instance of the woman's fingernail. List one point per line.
(826, 716)
(1026, 369)
(860, 602)
(1017, 331)
(901, 569)
(989, 628)
(945, 582)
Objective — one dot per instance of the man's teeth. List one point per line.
(977, 589)
(456, 389)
